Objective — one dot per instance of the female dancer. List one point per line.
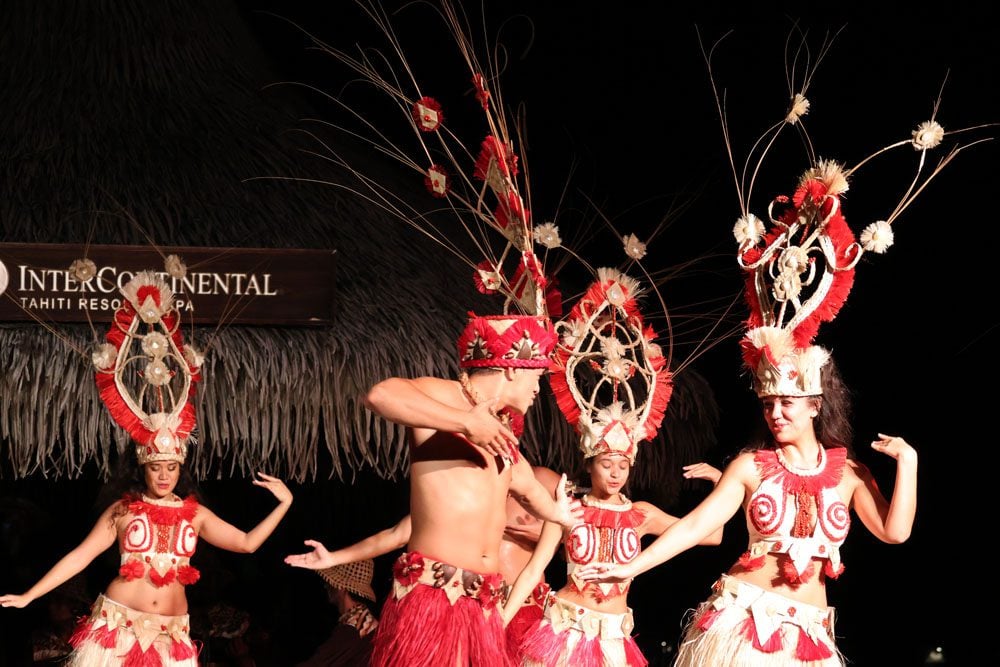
(586, 623)
(613, 385)
(146, 376)
(156, 525)
(796, 489)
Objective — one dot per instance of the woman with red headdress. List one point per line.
(613, 384)
(146, 376)
(799, 480)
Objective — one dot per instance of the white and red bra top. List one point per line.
(607, 535)
(159, 540)
(798, 512)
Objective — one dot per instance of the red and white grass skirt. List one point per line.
(439, 615)
(743, 624)
(569, 634)
(116, 636)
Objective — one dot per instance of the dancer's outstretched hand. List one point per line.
(702, 470)
(894, 446)
(317, 559)
(17, 601)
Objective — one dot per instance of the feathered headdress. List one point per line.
(146, 373)
(610, 378)
(482, 184)
(800, 270)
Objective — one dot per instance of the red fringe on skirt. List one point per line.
(541, 644)
(423, 629)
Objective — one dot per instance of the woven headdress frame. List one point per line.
(610, 378)
(146, 373)
(801, 267)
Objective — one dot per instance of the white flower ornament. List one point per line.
(634, 248)
(927, 135)
(877, 237)
(547, 235)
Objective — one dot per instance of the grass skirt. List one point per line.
(742, 625)
(440, 616)
(569, 635)
(526, 618)
(116, 636)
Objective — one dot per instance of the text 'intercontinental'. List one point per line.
(58, 289)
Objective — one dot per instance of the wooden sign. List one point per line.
(275, 287)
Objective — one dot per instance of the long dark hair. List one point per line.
(130, 479)
(832, 425)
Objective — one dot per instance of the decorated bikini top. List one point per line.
(798, 512)
(159, 540)
(607, 535)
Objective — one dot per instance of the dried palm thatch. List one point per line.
(137, 123)
(120, 132)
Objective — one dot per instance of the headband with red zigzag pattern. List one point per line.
(506, 341)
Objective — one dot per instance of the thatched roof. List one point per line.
(130, 123)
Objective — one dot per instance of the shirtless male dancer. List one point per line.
(464, 463)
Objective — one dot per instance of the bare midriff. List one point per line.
(770, 578)
(458, 510)
(141, 595)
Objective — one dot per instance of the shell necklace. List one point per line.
(473, 397)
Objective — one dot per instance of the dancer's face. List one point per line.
(161, 477)
(608, 474)
(789, 417)
(523, 388)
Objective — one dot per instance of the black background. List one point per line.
(619, 106)
(619, 94)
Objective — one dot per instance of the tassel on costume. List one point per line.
(750, 563)
(806, 649)
(543, 646)
(587, 653)
(633, 655)
(792, 576)
(182, 651)
(136, 657)
(81, 633)
(524, 621)
(106, 637)
(749, 631)
(829, 570)
(707, 619)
